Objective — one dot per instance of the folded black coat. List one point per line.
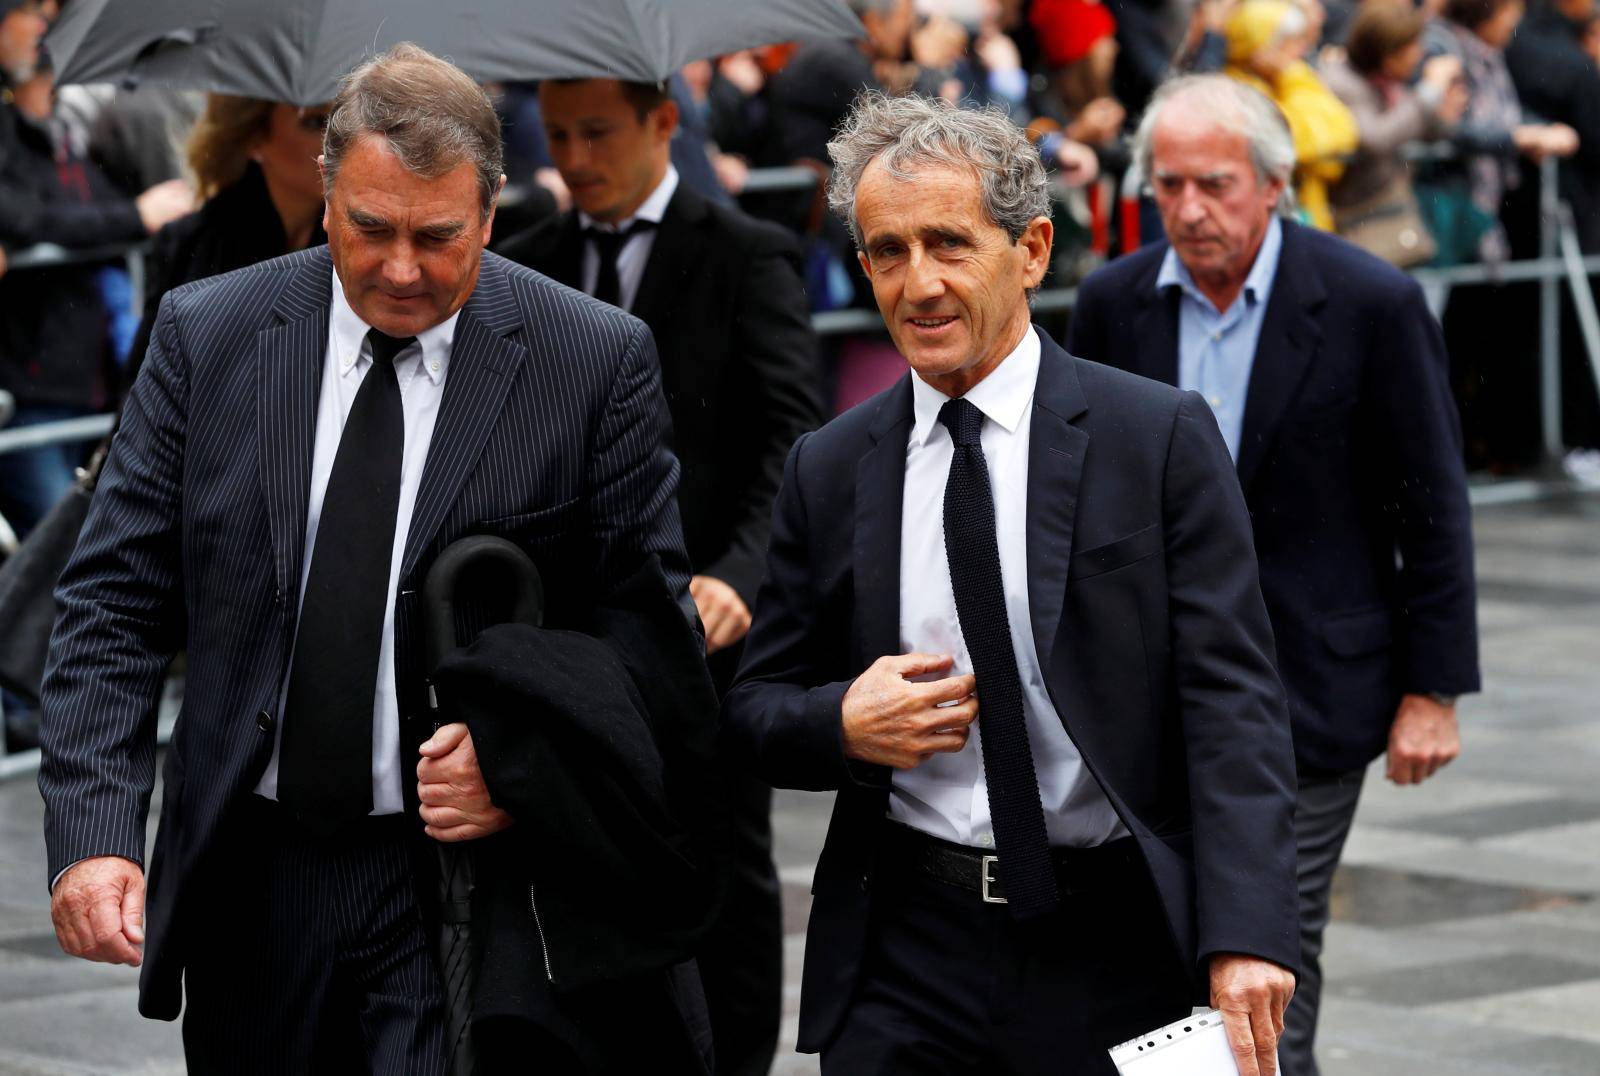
(598, 741)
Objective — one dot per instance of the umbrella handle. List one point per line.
(439, 588)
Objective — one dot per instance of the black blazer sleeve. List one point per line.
(633, 477)
(119, 625)
(1418, 448)
(1235, 719)
(792, 735)
(776, 397)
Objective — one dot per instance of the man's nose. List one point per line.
(923, 282)
(400, 268)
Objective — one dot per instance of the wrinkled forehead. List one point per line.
(1187, 141)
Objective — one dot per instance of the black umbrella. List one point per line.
(474, 559)
(297, 50)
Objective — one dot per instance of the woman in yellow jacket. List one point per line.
(1267, 42)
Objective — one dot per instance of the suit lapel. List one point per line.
(880, 491)
(1155, 332)
(1056, 450)
(289, 360)
(483, 367)
(566, 258)
(1288, 343)
(676, 246)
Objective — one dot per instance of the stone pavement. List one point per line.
(1466, 939)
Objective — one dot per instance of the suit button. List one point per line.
(866, 882)
(265, 721)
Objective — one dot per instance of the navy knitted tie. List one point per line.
(325, 760)
(974, 557)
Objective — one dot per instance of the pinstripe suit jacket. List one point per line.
(550, 434)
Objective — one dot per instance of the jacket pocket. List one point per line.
(1113, 555)
(1364, 631)
(522, 521)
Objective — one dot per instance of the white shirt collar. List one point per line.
(1257, 286)
(1003, 397)
(347, 334)
(652, 210)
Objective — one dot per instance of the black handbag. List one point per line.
(28, 584)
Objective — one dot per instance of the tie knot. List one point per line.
(386, 348)
(963, 419)
(612, 242)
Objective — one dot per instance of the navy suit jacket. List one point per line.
(1350, 459)
(1155, 647)
(549, 434)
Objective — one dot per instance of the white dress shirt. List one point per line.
(420, 370)
(947, 796)
(635, 253)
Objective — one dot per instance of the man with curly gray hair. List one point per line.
(1012, 616)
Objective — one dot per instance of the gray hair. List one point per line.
(433, 116)
(1234, 107)
(910, 133)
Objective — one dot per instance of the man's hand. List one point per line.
(455, 801)
(98, 909)
(1423, 739)
(1252, 994)
(890, 721)
(722, 611)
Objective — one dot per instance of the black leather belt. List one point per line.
(1078, 870)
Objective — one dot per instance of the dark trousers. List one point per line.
(949, 984)
(308, 955)
(741, 959)
(1323, 812)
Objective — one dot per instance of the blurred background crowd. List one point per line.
(1427, 134)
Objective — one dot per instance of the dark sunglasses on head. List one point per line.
(313, 121)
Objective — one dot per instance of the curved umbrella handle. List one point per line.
(459, 557)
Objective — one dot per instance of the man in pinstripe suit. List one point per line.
(304, 437)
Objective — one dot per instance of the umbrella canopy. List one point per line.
(296, 51)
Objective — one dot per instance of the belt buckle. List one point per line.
(988, 880)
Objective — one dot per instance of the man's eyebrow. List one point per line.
(444, 229)
(362, 219)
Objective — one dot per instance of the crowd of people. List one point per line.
(966, 154)
(1362, 85)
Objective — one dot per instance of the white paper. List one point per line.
(1194, 1046)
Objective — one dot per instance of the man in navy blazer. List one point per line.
(304, 437)
(1049, 706)
(1329, 379)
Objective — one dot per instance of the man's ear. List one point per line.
(664, 118)
(866, 263)
(1036, 242)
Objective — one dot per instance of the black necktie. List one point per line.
(608, 245)
(974, 557)
(325, 763)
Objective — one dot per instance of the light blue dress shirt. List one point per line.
(1216, 350)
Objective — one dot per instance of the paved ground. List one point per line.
(1467, 933)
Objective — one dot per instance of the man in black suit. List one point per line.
(1011, 615)
(1329, 380)
(722, 294)
(304, 438)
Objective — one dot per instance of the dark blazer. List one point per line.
(54, 345)
(1350, 459)
(549, 434)
(723, 297)
(1155, 647)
